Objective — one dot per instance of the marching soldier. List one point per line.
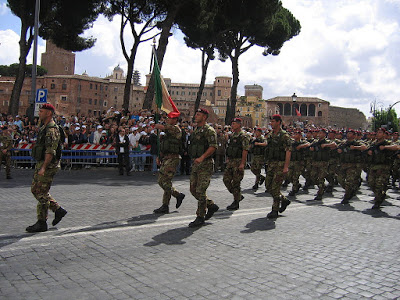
(258, 150)
(308, 161)
(350, 158)
(6, 144)
(170, 148)
(277, 156)
(320, 155)
(236, 156)
(379, 171)
(203, 143)
(296, 166)
(47, 153)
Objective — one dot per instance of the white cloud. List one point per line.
(9, 47)
(4, 9)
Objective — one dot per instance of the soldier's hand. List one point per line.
(339, 150)
(41, 172)
(241, 167)
(158, 161)
(285, 170)
(381, 147)
(198, 160)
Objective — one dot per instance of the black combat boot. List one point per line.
(272, 215)
(284, 203)
(262, 179)
(58, 215)
(318, 197)
(255, 187)
(39, 226)
(211, 210)
(163, 209)
(179, 199)
(199, 221)
(329, 189)
(233, 206)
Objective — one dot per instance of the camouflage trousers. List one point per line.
(40, 189)
(296, 168)
(167, 172)
(378, 178)
(199, 181)
(307, 170)
(348, 177)
(256, 166)
(232, 178)
(273, 182)
(395, 170)
(7, 160)
(332, 171)
(319, 171)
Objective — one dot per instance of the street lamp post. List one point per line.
(294, 99)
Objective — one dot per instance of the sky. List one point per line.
(347, 53)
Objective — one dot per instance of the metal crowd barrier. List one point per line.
(84, 155)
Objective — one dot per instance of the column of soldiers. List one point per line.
(316, 157)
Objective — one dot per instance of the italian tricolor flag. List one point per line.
(163, 99)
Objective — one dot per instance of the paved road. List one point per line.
(111, 246)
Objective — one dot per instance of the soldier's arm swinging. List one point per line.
(206, 154)
(47, 160)
(288, 154)
(244, 159)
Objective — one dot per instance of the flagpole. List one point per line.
(156, 117)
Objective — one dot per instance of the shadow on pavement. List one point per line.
(259, 224)
(134, 221)
(172, 237)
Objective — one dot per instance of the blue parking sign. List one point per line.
(41, 96)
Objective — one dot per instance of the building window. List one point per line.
(90, 100)
(63, 98)
(95, 113)
(320, 114)
(183, 93)
(287, 109)
(319, 104)
(106, 87)
(219, 92)
(95, 87)
(95, 101)
(115, 89)
(89, 111)
(311, 110)
(91, 86)
(303, 109)
(64, 86)
(105, 103)
(52, 86)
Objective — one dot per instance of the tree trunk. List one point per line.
(204, 67)
(24, 46)
(129, 74)
(230, 113)
(160, 52)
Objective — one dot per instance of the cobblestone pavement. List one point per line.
(111, 246)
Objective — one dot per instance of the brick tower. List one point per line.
(58, 61)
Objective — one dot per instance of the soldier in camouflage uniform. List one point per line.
(203, 143)
(277, 157)
(380, 151)
(47, 153)
(320, 155)
(396, 161)
(333, 163)
(170, 147)
(220, 152)
(308, 162)
(350, 158)
(236, 156)
(6, 145)
(257, 148)
(296, 167)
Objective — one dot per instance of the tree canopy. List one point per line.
(12, 70)
(60, 21)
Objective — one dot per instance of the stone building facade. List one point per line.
(341, 117)
(306, 110)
